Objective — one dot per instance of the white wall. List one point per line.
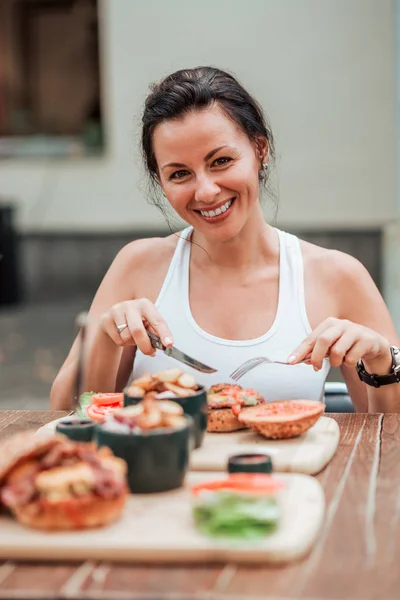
(323, 70)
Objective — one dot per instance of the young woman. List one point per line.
(230, 286)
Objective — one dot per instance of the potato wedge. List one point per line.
(135, 391)
(150, 419)
(144, 382)
(131, 411)
(170, 375)
(174, 421)
(168, 407)
(187, 381)
(180, 391)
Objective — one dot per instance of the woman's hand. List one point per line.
(137, 315)
(345, 343)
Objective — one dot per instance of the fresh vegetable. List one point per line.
(224, 395)
(97, 406)
(244, 505)
(283, 418)
(248, 483)
(84, 401)
(109, 399)
(99, 413)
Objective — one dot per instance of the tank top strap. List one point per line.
(177, 264)
(292, 277)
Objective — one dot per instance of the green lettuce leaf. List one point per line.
(84, 401)
(231, 515)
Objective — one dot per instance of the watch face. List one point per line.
(396, 357)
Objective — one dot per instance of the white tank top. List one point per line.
(289, 328)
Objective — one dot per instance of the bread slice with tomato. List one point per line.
(225, 401)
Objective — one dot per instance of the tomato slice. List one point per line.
(99, 413)
(236, 408)
(254, 483)
(107, 399)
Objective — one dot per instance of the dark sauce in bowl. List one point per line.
(250, 463)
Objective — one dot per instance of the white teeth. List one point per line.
(218, 211)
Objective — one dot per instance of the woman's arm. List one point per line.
(109, 356)
(361, 328)
(362, 303)
(116, 286)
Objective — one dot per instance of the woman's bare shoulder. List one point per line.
(339, 285)
(146, 253)
(333, 265)
(343, 281)
(135, 261)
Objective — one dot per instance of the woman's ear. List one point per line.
(157, 179)
(262, 149)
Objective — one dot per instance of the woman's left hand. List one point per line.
(345, 343)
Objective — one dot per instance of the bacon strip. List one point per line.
(23, 491)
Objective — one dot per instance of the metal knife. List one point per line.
(179, 355)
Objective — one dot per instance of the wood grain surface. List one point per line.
(356, 556)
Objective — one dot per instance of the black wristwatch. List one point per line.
(378, 380)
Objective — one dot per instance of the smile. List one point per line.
(210, 214)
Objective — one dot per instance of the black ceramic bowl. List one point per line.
(79, 430)
(157, 460)
(250, 463)
(194, 406)
(130, 400)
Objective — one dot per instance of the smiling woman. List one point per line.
(203, 191)
(231, 286)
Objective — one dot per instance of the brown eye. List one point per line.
(178, 174)
(224, 160)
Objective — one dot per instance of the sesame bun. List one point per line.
(222, 420)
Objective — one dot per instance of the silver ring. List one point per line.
(121, 327)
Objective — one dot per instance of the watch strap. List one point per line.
(378, 380)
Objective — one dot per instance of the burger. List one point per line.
(225, 401)
(53, 483)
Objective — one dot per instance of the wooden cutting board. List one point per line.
(309, 453)
(159, 528)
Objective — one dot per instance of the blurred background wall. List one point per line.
(73, 79)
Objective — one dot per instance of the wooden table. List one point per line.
(357, 554)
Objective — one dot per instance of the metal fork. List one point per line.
(252, 363)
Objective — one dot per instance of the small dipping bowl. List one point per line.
(78, 430)
(195, 406)
(250, 463)
(157, 459)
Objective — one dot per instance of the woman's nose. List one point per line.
(206, 190)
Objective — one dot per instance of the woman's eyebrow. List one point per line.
(206, 158)
(211, 154)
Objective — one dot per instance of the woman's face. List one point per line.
(208, 169)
